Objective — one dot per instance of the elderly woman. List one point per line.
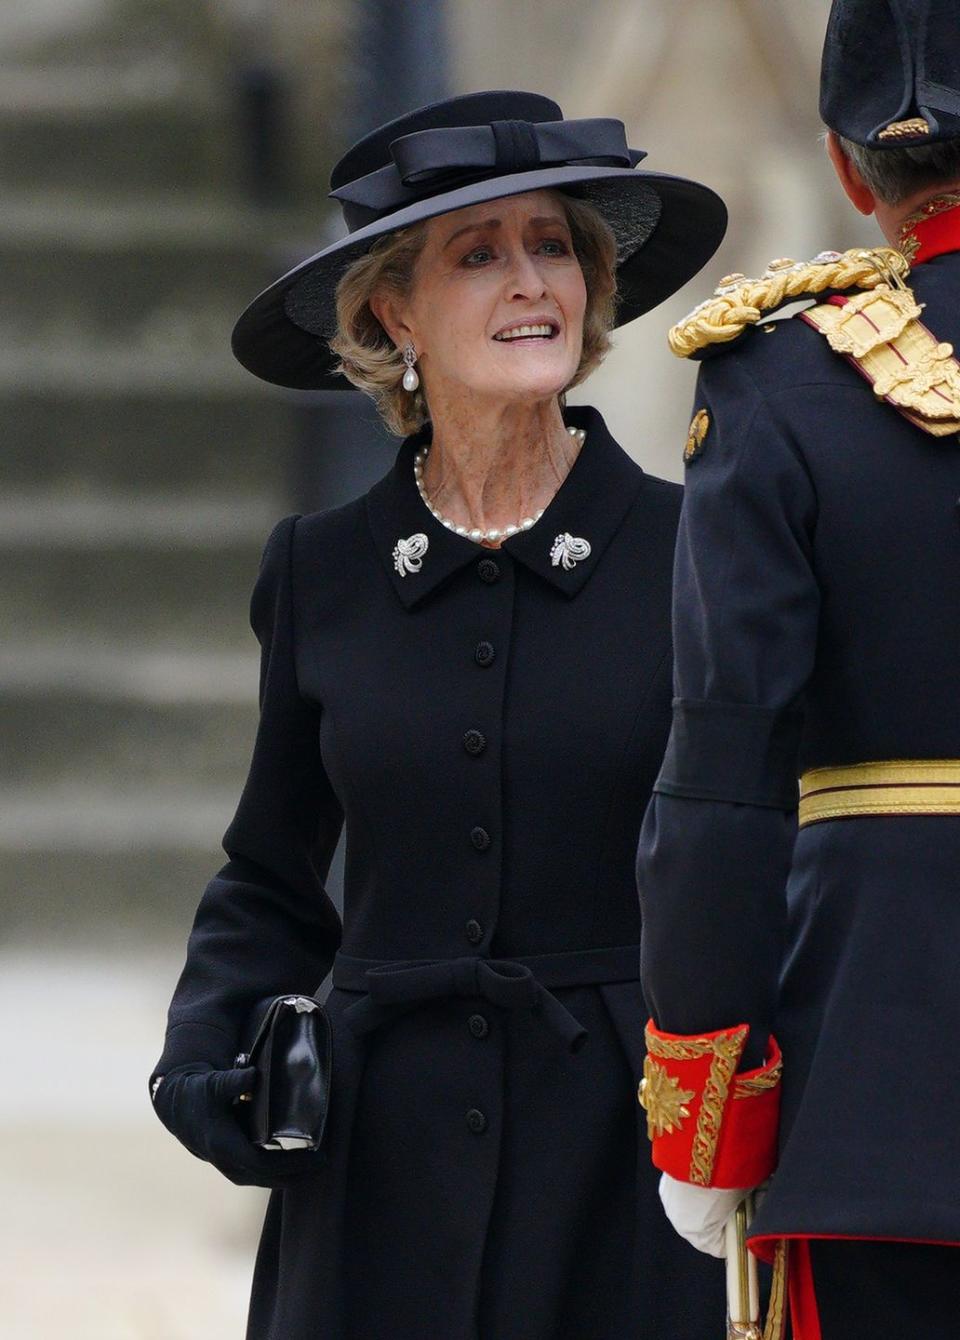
(470, 669)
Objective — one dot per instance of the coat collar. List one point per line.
(590, 504)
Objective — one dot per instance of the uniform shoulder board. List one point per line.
(877, 329)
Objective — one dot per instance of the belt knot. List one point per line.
(397, 988)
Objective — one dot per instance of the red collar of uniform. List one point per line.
(932, 229)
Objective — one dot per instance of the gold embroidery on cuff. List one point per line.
(662, 1098)
(670, 1049)
(726, 1054)
(750, 1085)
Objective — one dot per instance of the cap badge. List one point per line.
(696, 436)
(916, 128)
(408, 553)
(569, 550)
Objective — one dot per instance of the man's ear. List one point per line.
(857, 190)
(387, 311)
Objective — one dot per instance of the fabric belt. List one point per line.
(395, 987)
(903, 786)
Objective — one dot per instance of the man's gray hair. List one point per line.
(893, 175)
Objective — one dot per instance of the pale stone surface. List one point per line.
(110, 1230)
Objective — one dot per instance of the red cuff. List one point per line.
(708, 1124)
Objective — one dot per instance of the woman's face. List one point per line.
(496, 309)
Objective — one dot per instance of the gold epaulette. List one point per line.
(739, 302)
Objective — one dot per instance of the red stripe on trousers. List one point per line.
(804, 1314)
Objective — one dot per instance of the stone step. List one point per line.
(118, 519)
(74, 817)
(114, 899)
(71, 439)
(120, 146)
(164, 295)
(74, 858)
(118, 369)
(127, 37)
(104, 83)
(166, 276)
(118, 870)
(168, 587)
(48, 737)
(114, 674)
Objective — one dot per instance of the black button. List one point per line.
(474, 742)
(478, 1026)
(488, 571)
(484, 654)
(474, 931)
(476, 1121)
(480, 838)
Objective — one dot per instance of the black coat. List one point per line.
(489, 726)
(817, 599)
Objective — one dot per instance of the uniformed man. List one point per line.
(800, 963)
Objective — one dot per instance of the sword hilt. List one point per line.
(743, 1292)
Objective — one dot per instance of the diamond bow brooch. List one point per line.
(569, 550)
(408, 554)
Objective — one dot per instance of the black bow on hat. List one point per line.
(466, 151)
(435, 160)
(891, 72)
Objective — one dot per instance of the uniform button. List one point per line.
(484, 654)
(480, 838)
(474, 931)
(474, 742)
(488, 570)
(476, 1121)
(478, 1026)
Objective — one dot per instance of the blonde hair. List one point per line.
(371, 361)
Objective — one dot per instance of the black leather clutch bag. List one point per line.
(292, 1053)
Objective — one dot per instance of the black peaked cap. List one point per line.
(890, 76)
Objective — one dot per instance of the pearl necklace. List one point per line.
(579, 434)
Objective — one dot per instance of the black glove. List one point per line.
(198, 1104)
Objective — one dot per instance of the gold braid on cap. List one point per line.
(739, 302)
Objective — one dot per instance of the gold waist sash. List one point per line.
(903, 786)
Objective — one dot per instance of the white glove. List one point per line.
(700, 1213)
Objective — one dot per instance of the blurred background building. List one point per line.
(160, 160)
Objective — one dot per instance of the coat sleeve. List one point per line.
(265, 924)
(717, 839)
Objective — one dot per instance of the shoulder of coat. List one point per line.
(333, 523)
(739, 303)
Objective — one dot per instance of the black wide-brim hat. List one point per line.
(466, 151)
(890, 76)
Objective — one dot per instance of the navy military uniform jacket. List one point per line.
(488, 727)
(817, 623)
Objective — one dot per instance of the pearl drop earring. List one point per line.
(410, 378)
